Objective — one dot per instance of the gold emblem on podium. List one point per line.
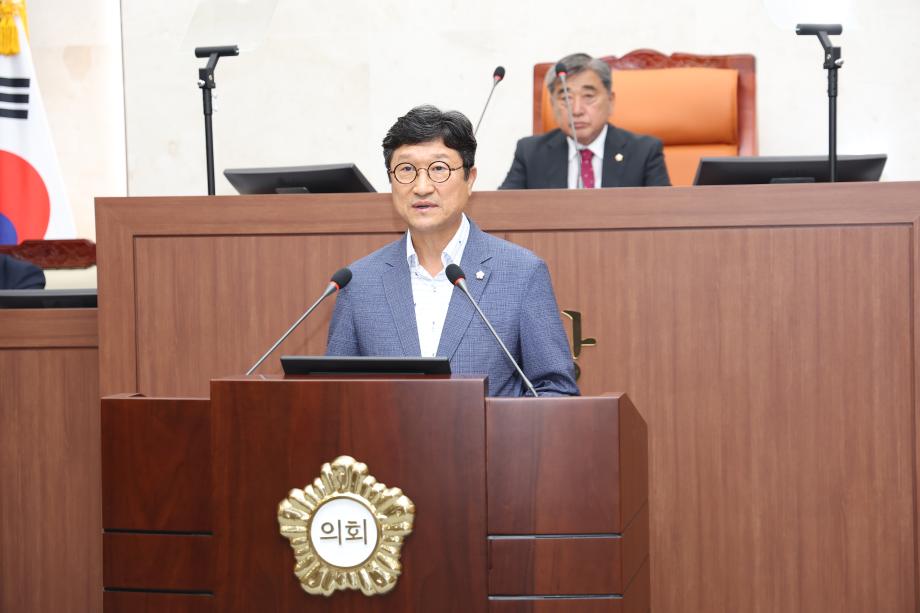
(346, 530)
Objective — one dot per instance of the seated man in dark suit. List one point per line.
(17, 274)
(605, 156)
(400, 302)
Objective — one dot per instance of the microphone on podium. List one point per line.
(497, 77)
(219, 51)
(562, 72)
(339, 279)
(832, 63)
(206, 84)
(456, 277)
(807, 29)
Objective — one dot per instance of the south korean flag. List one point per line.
(33, 202)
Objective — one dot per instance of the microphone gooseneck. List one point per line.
(561, 72)
(456, 277)
(339, 279)
(497, 77)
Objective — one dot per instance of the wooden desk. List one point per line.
(766, 334)
(50, 496)
(191, 489)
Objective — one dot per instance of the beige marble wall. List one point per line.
(76, 47)
(321, 82)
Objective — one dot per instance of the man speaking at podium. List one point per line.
(400, 302)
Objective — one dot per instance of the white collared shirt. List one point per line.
(431, 295)
(597, 161)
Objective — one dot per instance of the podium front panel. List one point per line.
(424, 436)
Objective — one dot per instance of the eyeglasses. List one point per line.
(438, 172)
(586, 98)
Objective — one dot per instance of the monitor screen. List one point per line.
(363, 365)
(787, 169)
(47, 298)
(322, 179)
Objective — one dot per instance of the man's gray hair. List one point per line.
(575, 63)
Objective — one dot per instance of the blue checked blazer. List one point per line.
(375, 316)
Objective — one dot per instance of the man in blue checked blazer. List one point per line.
(399, 301)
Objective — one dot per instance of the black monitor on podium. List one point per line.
(363, 365)
(319, 179)
(48, 299)
(787, 169)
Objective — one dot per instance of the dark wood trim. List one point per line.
(48, 328)
(578, 490)
(156, 465)
(512, 210)
(915, 397)
(154, 602)
(176, 563)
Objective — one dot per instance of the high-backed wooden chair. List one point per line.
(698, 105)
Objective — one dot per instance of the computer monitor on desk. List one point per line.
(48, 299)
(363, 365)
(321, 179)
(787, 169)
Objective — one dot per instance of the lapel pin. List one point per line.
(480, 275)
(618, 157)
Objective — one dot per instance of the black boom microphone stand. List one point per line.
(206, 84)
(832, 63)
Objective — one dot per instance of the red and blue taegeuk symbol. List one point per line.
(24, 204)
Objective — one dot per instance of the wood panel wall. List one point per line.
(765, 333)
(50, 506)
(773, 366)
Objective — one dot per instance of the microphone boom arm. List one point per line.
(483, 114)
(497, 77)
(462, 285)
(331, 289)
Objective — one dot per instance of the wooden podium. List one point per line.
(767, 334)
(521, 504)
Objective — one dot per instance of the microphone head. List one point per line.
(805, 29)
(341, 277)
(220, 51)
(454, 273)
(499, 74)
(560, 69)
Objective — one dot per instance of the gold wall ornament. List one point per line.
(346, 530)
(577, 342)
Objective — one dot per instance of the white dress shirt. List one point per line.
(431, 295)
(597, 161)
